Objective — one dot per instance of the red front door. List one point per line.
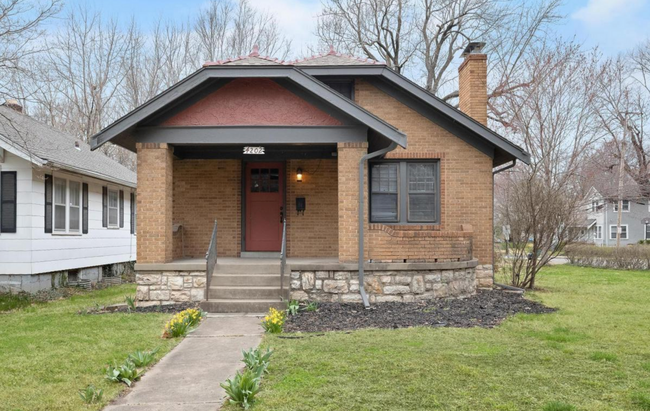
(264, 206)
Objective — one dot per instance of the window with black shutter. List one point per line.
(84, 201)
(48, 203)
(121, 209)
(133, 213)
(8, 194)
(104, 206)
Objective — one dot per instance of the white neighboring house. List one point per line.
(602, 217)
(65, 212)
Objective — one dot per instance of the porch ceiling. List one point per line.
(124, 132)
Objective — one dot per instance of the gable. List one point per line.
(252, 102)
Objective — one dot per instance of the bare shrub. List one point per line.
(633, 257)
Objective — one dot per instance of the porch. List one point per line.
(255, 284)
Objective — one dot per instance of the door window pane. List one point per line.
(274, 183)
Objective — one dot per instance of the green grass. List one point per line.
(48, 351)
(10, 302)
(593, 354)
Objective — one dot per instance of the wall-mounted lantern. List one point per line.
(299, 175)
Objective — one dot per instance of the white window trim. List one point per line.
(66, 230)
(596, 236)
(629, 206)
(108, 207)
(612, 230)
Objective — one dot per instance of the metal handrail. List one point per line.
(283, 256)
(210, 259)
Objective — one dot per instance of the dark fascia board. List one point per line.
(251, 135)
(129, 121)
(425, 96)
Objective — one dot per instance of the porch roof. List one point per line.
(122, 131)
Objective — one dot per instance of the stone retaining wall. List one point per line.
(383, 285)
(165, 286)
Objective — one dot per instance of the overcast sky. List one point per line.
(612, 25)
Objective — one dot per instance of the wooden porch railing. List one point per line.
(211, 259)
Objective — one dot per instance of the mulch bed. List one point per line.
(485, 309)
(157, 308)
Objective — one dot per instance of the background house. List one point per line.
(66, 212)
(601, 205)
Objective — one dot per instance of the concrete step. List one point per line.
(246, 292)
(242, 306)
(260, 254)
(265, 268)
(261, 280)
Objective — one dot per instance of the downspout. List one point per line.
(495, 172)
(362, 163)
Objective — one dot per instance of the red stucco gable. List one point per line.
(252, 101)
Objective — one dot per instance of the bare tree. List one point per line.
(427, 36)
(623, 106)
(555, 121)
(21, 37)
(383, 30)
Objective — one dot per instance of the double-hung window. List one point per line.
(113, 208)
(613, 230)
(626, 205)
(404, 192)
(647, 231)
(67, 206)
(599, 232)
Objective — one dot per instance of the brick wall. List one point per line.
(349, 155)
(205, 190)
(314, 234)
(155, 175)
(466, 173)
(394, 244)
(472, 92)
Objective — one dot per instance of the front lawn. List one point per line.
(593, 354)
(48, 351)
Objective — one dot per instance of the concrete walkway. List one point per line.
(188, 378)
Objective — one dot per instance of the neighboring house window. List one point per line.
(8, 201)
(647, 231)
(404, 192)
(67, 206)
(594, 205)
(134, 213)
(626, 205)
(599, 232)
(612, 232)
(113, 208)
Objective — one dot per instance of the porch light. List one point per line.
(299, 175)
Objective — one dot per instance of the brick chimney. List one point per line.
(14, 105)
(472, 79)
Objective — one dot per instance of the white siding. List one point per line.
(32, 251)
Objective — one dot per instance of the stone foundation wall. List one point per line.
(170, 286)
(484, 276)
(383, 285)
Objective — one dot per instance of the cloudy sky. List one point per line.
(612, 25)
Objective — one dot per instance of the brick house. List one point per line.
(274, 151)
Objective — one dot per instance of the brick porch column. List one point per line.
(155, 202)
(349, 155)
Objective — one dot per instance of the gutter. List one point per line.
(362, 162)
(495, 172)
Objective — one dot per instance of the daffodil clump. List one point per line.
(181, 323)
(273, 321)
